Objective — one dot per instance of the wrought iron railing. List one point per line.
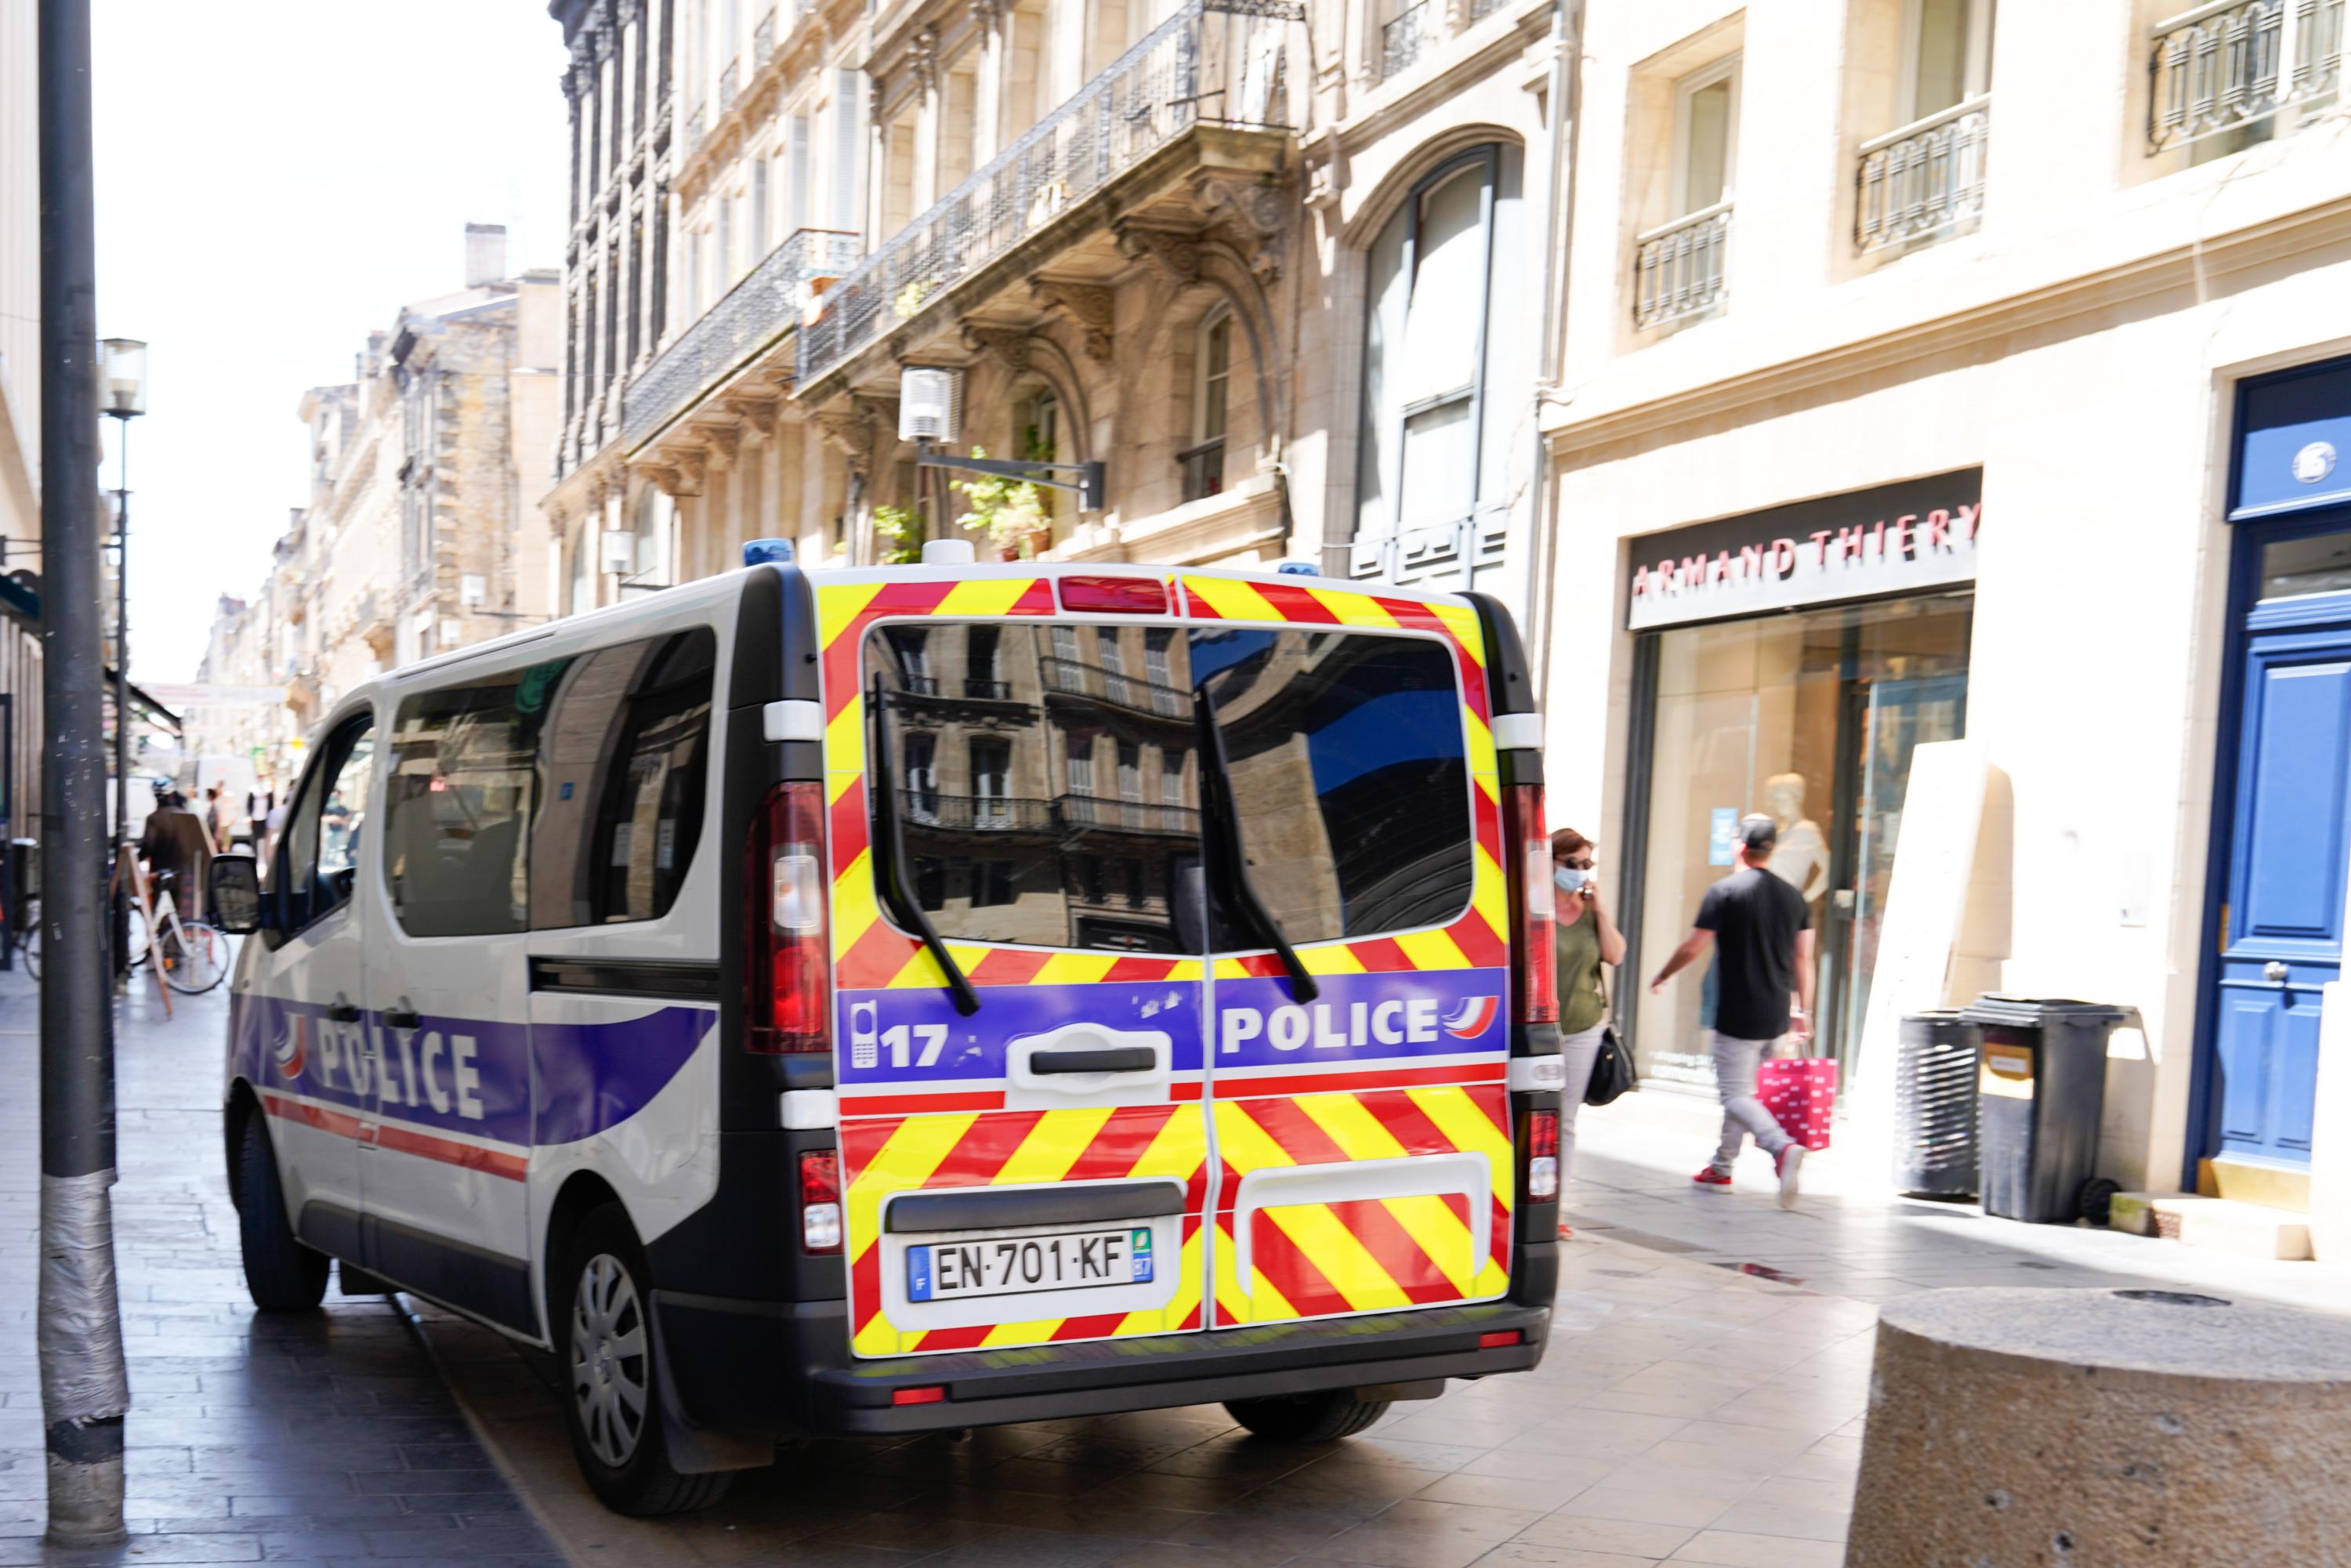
(1117, 687)
(745, 320)
(730, 82)
(1134, 816)
(1203, 468)
(763, 39)
(2234, 64)
(1218, 62)
(1924, 179)
(975, 813)
(1481, 10)
(698, 125)
(1402, 39)
(1681, 269)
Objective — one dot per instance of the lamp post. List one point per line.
(122, 387)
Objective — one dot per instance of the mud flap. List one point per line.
(696, 1450)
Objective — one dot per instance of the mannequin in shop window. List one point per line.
(1801, 860)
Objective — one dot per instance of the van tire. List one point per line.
(628, 1471)
(280, 1273)
(1322, 1418)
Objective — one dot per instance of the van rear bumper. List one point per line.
(759, 1369)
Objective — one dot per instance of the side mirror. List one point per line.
(232, 894)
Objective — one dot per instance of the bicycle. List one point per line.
(196, 954)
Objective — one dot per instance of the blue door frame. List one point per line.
(2270, 503)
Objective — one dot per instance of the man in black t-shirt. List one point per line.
(1760, 929)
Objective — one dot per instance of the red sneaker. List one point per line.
(1711, 1177)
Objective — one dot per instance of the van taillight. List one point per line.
(1542, 1155)
(1533, 972)
(821, 1201)
(787, 979)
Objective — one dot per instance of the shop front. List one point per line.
(1788, 662)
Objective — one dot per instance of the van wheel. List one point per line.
(1307, 1418)
(611, 1393)
(280, 1273)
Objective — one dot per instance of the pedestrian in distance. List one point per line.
(1583, 938)
(1761, 929)
(216, 817)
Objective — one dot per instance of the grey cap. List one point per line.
(1758, 834)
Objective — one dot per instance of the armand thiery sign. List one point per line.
(1896, 539)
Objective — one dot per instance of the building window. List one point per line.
(1434, 466)
(759, 246)
(1947, 49)
(1706, 136)
(1680, 268)
(1924, 181)
(1212, 373)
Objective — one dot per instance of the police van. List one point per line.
(912, 998)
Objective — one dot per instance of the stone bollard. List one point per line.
(2019, 1428)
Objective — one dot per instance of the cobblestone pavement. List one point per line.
(1701, 1402)
(317, 1438)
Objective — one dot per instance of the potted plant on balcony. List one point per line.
(1010, 512)
(898, 533)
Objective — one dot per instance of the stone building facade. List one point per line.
(424, 531)
(1180, 239)
(1843, 280)
(20, 418)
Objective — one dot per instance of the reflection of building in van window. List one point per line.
(1043, 785)
(461, 761)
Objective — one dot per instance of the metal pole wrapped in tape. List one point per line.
(84, 1392)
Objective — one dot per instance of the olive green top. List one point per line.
(1581, 1001)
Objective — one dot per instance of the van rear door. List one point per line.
(1361, 1130)
(1026, 1160)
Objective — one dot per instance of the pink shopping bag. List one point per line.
(1801, 1093)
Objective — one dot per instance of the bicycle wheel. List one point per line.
(197, 961)
(140, 942)
(28, 942)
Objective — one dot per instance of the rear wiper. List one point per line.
(1216, 798)
(890, 844)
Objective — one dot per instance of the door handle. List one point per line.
(343, 1012)
(2275, 972)
(400, 1017)
(1108, 1059)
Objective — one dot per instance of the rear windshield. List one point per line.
(1047, 784)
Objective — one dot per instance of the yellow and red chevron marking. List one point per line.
(887, 1155)
(1315, 1260)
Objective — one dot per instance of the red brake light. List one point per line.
(1532, 967)
(1500, 1339)
(1116, 595)
(787, 978)
(821, 1201)
(936, 1394)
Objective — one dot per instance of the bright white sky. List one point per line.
(276, 178)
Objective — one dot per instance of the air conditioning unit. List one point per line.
(930, 403)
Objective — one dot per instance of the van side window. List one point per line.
(461, 761)
(1020, 754)
(323, 841)
(623, 769)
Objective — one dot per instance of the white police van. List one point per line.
(876, 1001)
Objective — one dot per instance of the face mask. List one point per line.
(1568, 879)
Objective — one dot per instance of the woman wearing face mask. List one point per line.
(1583, 938)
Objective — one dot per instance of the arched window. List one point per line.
(1212, 374)
(1441, 376)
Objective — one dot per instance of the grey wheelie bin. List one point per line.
(2042, 1088)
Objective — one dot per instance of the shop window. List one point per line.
(1439, 372)
(1812, 718)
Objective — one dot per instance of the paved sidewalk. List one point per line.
(1701, 1403)
(322, 1438)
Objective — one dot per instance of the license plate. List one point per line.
(1014, 1265)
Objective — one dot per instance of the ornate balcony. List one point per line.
(2232, 65)
(1924, 180)
(1681, 269)
(749, 318)
(763, 39)
(730, 83)
(1214, 63)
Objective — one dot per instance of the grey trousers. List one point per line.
(1735, 1061)
(1577, 1052)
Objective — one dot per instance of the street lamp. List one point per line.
(122, 397)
